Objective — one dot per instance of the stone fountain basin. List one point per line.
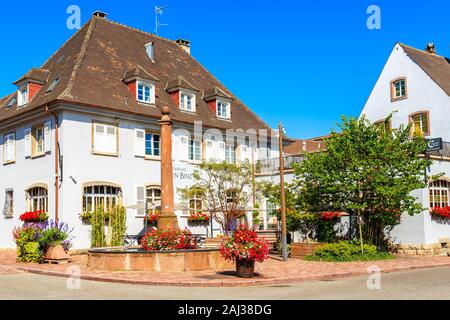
(137, 259)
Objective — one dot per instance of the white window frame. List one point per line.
(152, 145)
(439, 192)
(196, 203)
(152, 197)
(23, 95)
(9, 203)
(230, 153)
(40, 195)
(151, 87)
(400, 81)
(195, 150)
(184, 95)
(220, 112)
(102, 197)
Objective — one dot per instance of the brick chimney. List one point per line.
(430, 48)
(185, 45)
(100, 14)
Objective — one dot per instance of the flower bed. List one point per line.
(198, 217)
(441, 212)
(244, 244)
(171, 240)
(34, 216)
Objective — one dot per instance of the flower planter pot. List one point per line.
(56, 253)
(301, 250)
(245, 268)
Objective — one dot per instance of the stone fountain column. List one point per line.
(167, 219)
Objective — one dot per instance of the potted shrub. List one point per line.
(55, 241)
(256, 220)
(27, 241)
(244, 247)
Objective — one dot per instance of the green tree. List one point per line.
(226, 190)
(367, 171)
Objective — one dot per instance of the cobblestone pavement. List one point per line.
(272, 271)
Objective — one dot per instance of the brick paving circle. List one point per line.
(270, 272)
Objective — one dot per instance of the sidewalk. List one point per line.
(270, 272)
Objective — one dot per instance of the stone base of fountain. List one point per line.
(136, 259)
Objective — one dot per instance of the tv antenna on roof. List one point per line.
(159, 12)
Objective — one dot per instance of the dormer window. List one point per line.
(398, 89)
(22, 95)
(11, 102)
(187, 101)
(223, 109)
(145, 92)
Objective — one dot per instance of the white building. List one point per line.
(90, 114)
(415, 84)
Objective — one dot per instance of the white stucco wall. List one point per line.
(22, 174)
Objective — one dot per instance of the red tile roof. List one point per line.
(93, 62)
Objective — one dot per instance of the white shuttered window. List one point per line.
(105, 138)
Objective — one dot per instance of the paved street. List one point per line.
(431, 284)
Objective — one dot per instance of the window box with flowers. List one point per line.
(441, 213)
(152, 217)
(34, 217)
(198, 218)
(244, 247)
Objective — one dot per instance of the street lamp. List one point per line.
(283, 198)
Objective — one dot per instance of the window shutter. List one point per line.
(175, 149)
(221, 151)
(48, 136)
(140, 200)
(209, 153)
(184, 148)
(99, 133)
(11, 148)
(139, 143)
(27, 142)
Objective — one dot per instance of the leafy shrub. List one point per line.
(170, 240)
(348, 251)
(55, 234)
(30, 252)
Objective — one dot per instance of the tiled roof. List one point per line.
(437, 67)
(92, 63)
(304, 146)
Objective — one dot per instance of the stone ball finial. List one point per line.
(165, 111)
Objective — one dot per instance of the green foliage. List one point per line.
(30, 252)
(366, 170)
(98, 238)
(255, 215)
(326, 231)
(119, 227)
(218, 183)
(52, 237)
(348, 251)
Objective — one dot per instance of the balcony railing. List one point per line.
(273, 165)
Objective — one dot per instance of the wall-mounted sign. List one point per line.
(434, 144)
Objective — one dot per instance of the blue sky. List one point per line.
(303, 62)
